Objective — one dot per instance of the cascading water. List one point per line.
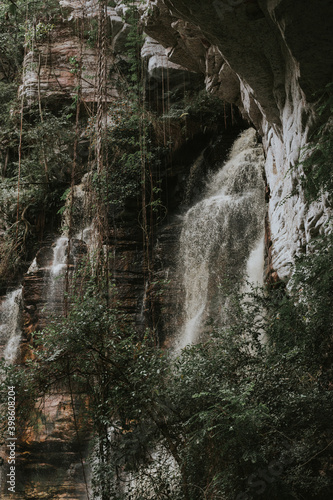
(222, 239)
(53, 441)
(58, 268)
(55, 282)
(10, 330)
(10, 336)
(59, 256)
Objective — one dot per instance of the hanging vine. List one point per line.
(77, 99)
(100, 155)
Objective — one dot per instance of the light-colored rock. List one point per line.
(185, 42)
(220, 79)
(87, 8)
(159, 65)
(50, 69)
(117, 23)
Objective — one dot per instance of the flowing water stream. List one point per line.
(221, 247)
(40, 472)
(222, 239)
(10, 336)
(10, 329)
(58, 268)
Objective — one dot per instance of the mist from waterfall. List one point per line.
(10, 330)
(222, 239)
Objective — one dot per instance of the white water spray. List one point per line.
(58, 268)
(221, 243)
(61, 248)
(56, 280)
(59, 256)
(10, 330)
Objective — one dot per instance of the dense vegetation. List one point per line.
(35, 142)
(230, 418)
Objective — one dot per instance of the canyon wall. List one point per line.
(270, 58)
(51, 78)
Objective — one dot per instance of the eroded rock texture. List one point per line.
(269, 57)
(51, 454)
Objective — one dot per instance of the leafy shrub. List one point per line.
(237, 417)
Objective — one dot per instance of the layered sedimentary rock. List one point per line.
(64, 55)
(269, 57)
(51, 453)
(51, 447)
(160, 67)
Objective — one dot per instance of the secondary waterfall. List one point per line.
(61, 260)
(222, 238)
(10, 330)
(59, 256)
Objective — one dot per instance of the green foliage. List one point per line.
(41, 153)
(75, 65)
(45, 168)
(134, 44)
(201, 106)
(37, 32)
(91, 33)
(24, 379)
(260, 420)
(11, 41)
(233, 417)
(96, 350)
(20, 23)
(130, 149)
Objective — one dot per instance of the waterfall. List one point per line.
(60, 261)
(60, 250)
(222, 239)
(10, 336)
(56, 278)
(59, 256)
(10, 331)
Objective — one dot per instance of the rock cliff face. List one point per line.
(51, 77)
(269, 57)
